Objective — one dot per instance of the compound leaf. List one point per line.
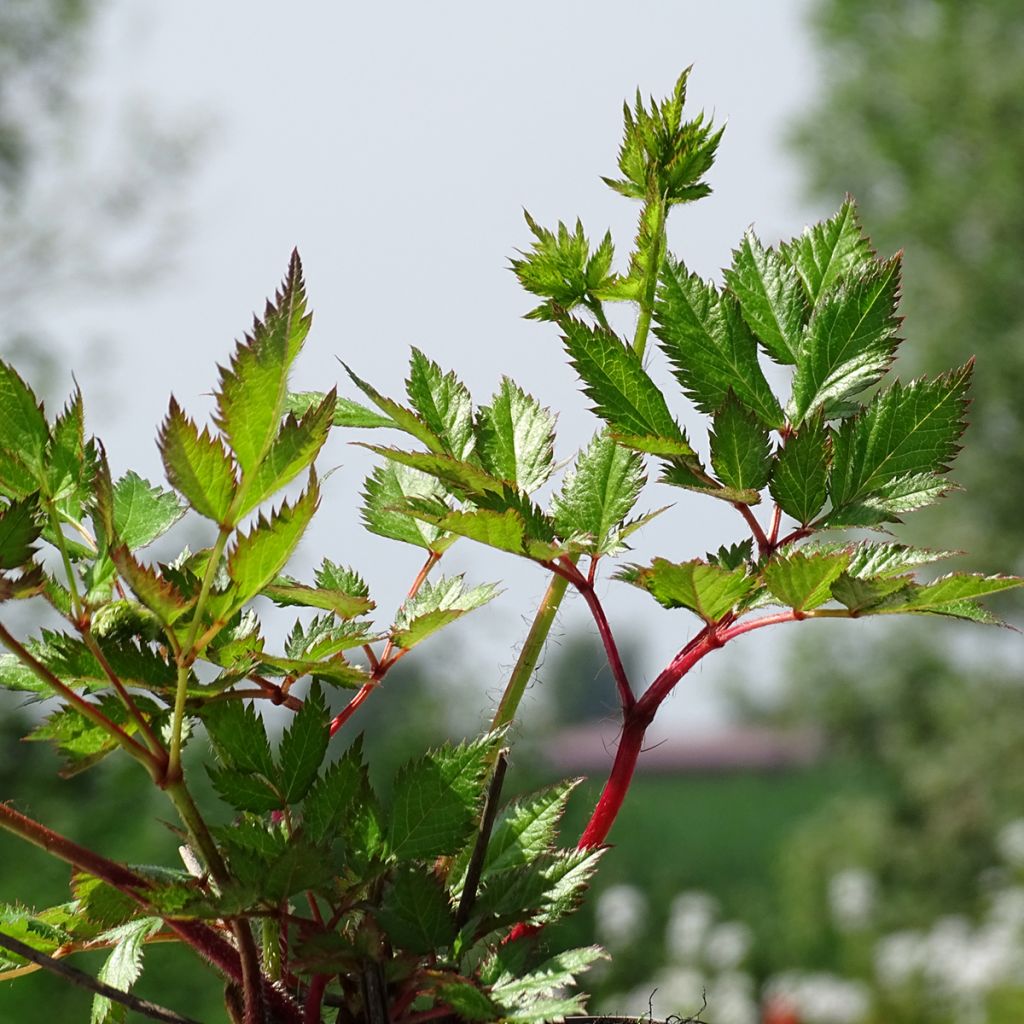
(799, 480)
(437, 604)
(385, 494)
(706, 589)
(303, 746)
(143, 512)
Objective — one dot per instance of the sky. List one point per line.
(396, 145)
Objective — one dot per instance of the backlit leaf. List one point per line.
(143, 512)
(799, 480)
(516, 437)
(804, 581)
(708, 590)
(740, 450)
(444, 404)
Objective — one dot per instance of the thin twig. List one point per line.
(86, 709)
(87, 981)
(763, 545)
(626, 696)
(483, 837)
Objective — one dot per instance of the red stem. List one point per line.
(773, 531)
(86, 709)
(626, 698)
(203, 939)
(315, 998)
(380, 666)
(755, 527)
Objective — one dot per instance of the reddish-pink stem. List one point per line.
(755, 527)
(315, 998)
(352, 707)
(773, 530)
(626, 698)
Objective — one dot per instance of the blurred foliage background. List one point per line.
(885, 882)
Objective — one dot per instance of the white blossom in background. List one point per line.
(732, 999)
(674, 991)
(1007, 910)
(620, 915)
(727, 945)
(820, 998)
(900, 958)
(851, 897)
(1010, 843)
(691, 918)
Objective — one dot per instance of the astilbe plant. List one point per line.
(432, 904)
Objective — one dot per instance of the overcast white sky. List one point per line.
(396, 145)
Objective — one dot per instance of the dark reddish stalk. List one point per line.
(792, 538)
(315, 998)
(755, 527)
(773, 531)
(379, 666)
(86, 709)
(206, 942)
(626, 697)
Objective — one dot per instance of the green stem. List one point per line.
(643, 322)
(187, 655)
(198, 831)
(530, 653)
(59, 540)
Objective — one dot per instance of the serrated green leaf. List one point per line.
(19, 530)
(951, 595)
(771, 297)
(849, 343)
(197, 465)
(528, 827)
(804, 581)
(679, 473)
(799, 482)
(253, 388)
(870, 559)
(560, 269)
(239, 737)
(156, 592)
(904, 494)
(862, 594)
(323, 636)
(70, 461)
(740, 451)
(259, 555)
(303, 746)
(829, 251)
(347, 413)
(336, 796)
(244, 792)
(735, 556)
(662, 155)
(27, 584)
(622, 392)
(708, 590)
(296, 445)
(599, 494)
(403, 418)
(516, 437)
(435, 801)
(434, 606)
(458, 477)
(385, 492)
(286, 592)
(896, 447)
(553, 975)
(444, 404)
(710, 346)
(142, 512)
(23, 436)
(416, 914)
(123, 967)
(541, 892)
(468, 1001)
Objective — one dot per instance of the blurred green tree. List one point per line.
(916, 116)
